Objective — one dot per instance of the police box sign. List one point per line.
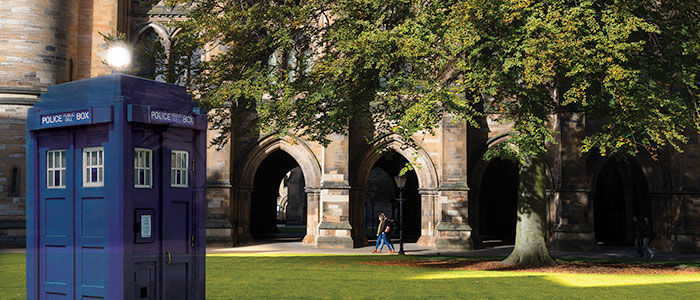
(171, 118)
(66, 118)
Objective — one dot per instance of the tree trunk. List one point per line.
(530, 247)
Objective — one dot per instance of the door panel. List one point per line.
(56, 238)
(176, 221)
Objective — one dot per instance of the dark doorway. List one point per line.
(498, 202)
(621, 192)
(270, 198)
(382, 194)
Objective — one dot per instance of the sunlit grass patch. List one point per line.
(319, 276)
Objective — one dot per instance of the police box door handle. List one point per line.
(169, 258)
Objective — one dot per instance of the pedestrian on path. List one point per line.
(380, 240)
(648, 235)
(385, 230)
(388, 230)
(638, 236)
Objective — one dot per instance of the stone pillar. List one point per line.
(685, 231)
(428, 217)
(313, 196)
(241, 215)
(357, 215)
(219, 229)
(573, 228)
(661, 220)
(453, 230)
(334, 231)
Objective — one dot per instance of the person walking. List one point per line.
(390, 225)
(638, 236)
(648, 234)
(385, 230)
(380, 240)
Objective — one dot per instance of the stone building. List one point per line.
(455, 199)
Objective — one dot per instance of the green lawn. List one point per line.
(343, 277)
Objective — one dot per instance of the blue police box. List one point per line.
(116, 191)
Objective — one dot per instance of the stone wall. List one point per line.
(12, 155)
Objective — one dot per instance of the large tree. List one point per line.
(309, 67)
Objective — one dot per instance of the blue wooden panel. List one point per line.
(59, 217)
(56, 296)
(94, 217)
(176, 282)
(94, 267)
(59, 265)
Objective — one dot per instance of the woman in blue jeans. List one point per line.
(382, 232)
(386, 235)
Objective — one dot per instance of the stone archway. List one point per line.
(642, 189)
(478, 174)
(427, 187)
(245, 179)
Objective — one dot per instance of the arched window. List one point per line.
(14, 182)
(149, 56)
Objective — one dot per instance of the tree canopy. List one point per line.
(310, 66)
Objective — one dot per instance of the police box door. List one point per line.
(178, 215)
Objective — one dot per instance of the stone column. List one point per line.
(685, 231)
(357, 215)
(573, 228)
(241, 215)
(453, 230)
(661, 220)
(428, 217)
(313, 196)
(334, 231)
(219, 230)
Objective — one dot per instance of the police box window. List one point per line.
(93, 167)
(56, 169)
(178, 168)
(142, 168)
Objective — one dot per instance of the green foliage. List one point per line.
(308, 67)
(614, 60)
(311, 66)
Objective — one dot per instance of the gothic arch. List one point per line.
(650, 197)
(480, 165)
(427, 186)
(418, 158)
(299, 150)
(160, 29)
(656, 176)
(477, 169)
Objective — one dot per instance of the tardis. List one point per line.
(116, 191)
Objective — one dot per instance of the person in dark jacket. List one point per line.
(638, 236)
(385, 235)
(648, 234)
(388, 230)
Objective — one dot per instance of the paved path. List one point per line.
(295, 247)
(282, 246)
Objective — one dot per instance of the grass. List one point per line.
(235, 276)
